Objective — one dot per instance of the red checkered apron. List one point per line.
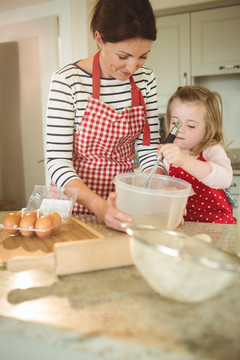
(208, 204)
(104, 141)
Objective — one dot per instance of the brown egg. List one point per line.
(21, 213)
(27, 222)
(57, 221)
(11, 220)
(44, 223)
(37, 214)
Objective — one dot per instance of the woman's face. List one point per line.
(193, 128)
(120, 60)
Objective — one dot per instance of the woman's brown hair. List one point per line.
(119, 20)
(213, 106)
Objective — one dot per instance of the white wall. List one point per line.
(71, 39)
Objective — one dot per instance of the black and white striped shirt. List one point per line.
(70, 90)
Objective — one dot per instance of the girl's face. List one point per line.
(120, 60)
(194, 126)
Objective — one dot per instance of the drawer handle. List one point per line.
(229, 67)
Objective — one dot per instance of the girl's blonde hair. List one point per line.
(212, 103)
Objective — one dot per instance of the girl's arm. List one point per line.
(175, 156)
(215, 172)
(221, 175)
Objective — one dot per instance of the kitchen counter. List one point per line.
(114, 314)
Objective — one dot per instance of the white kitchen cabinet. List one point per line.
(170, 56)
(215, 41)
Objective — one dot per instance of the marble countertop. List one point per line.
(115, 315)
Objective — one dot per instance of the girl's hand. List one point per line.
(173, 154)
(112, 217)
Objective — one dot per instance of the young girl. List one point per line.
(197, 154)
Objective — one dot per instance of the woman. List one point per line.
(96, 112)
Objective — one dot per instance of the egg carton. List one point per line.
(47, 199)
(53, 199)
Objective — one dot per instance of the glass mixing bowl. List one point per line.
(179, 266)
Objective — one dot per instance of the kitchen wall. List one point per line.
(20, 100)
(44, 38)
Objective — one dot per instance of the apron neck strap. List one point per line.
(137, 100)
(136, 94)
(96, 75)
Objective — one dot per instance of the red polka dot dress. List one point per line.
(207, 204)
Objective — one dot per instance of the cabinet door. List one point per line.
(170, 56)
(215, 42)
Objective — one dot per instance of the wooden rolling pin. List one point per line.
(79, 256)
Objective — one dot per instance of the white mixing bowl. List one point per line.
(161, 205)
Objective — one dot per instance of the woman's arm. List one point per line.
(60, 130)
(148, 154)
(105, 209)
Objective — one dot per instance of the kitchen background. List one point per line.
(198, 42)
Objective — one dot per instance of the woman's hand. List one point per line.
(112, 217)
(106, 210)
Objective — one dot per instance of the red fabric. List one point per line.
(137, 99)
(207, 204)
(104, 141)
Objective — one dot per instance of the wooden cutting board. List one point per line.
(13, 246)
